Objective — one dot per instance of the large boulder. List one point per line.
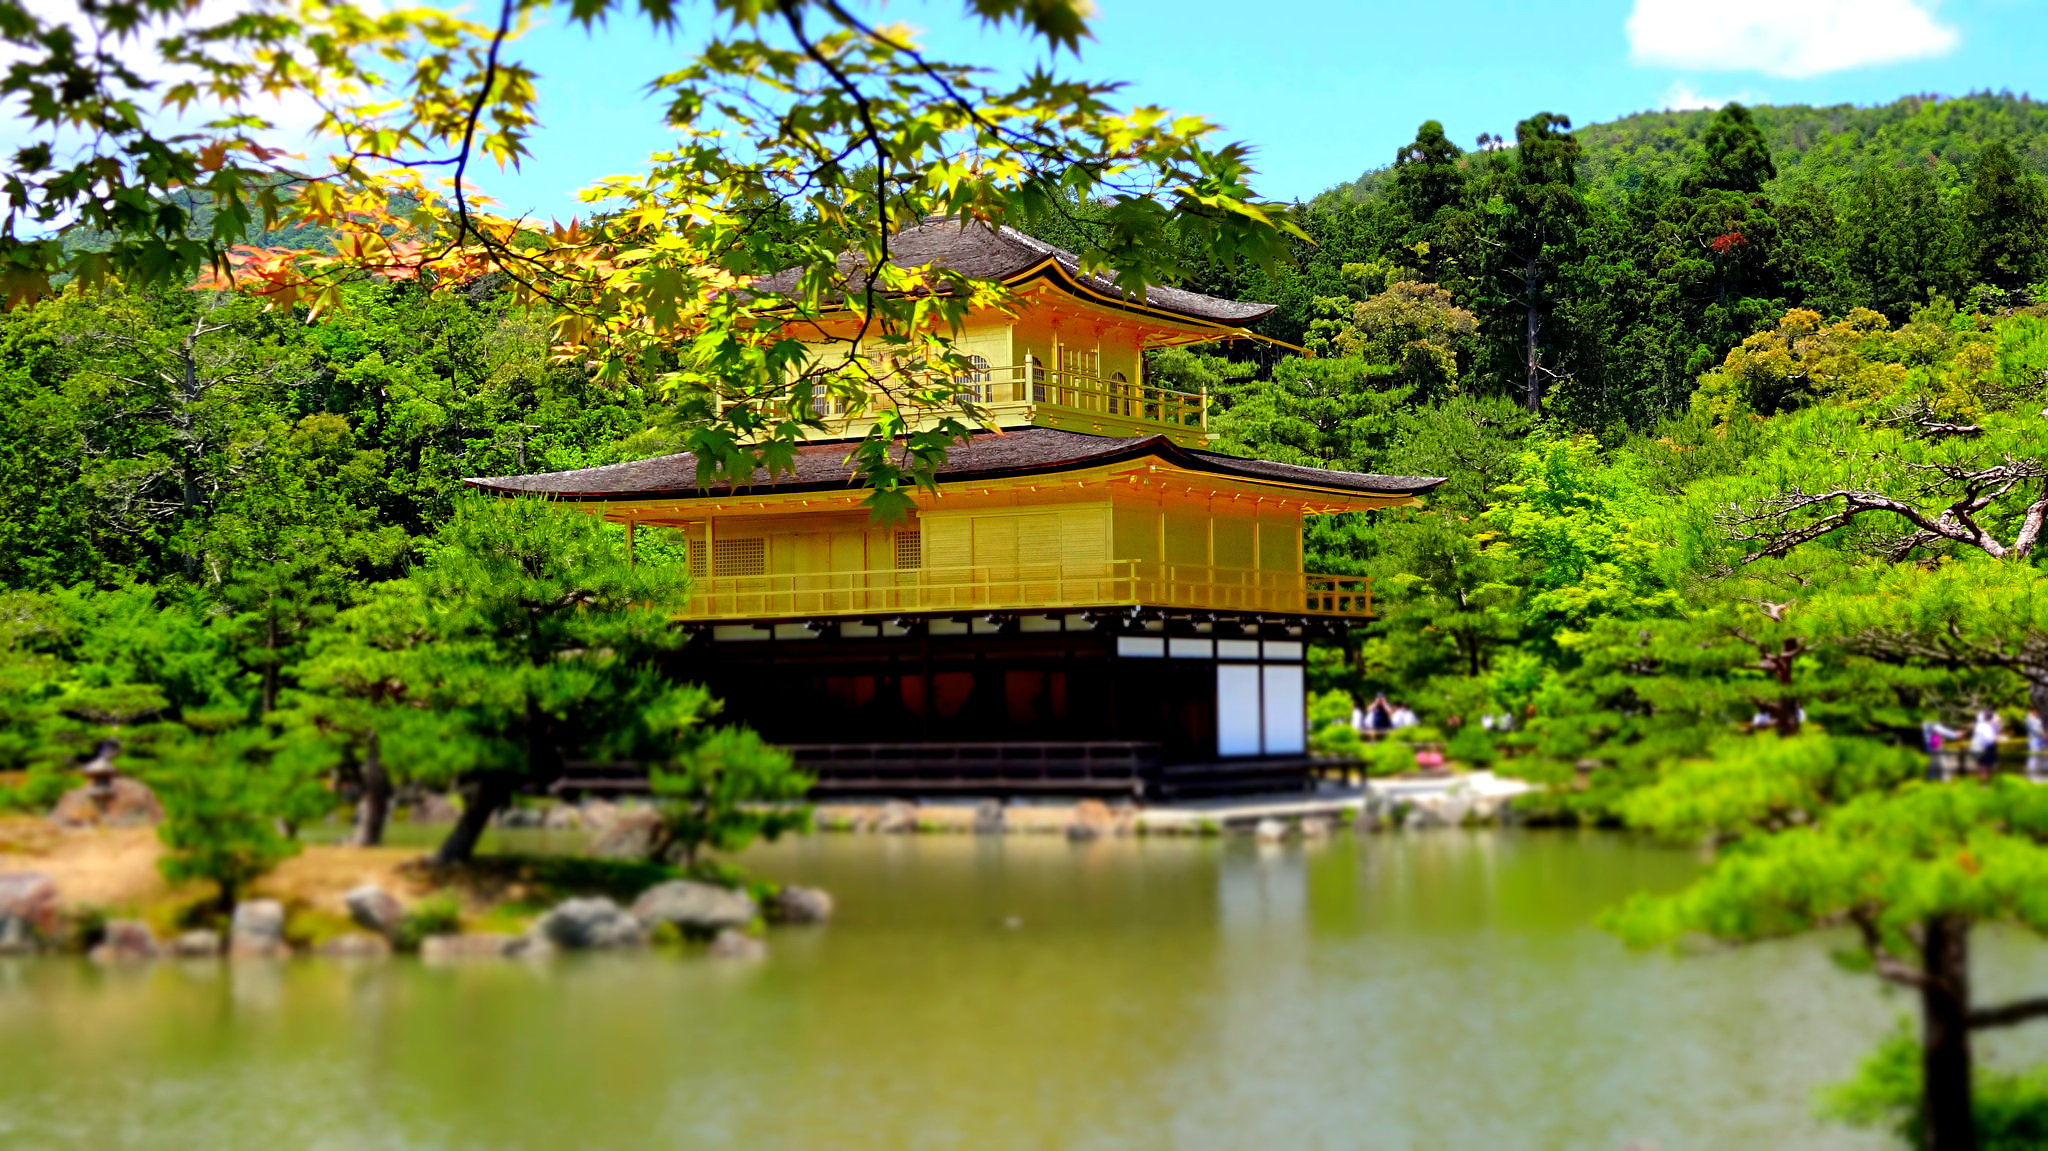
(590, 924)
(375, 909)
(696, 908)
(123, 940)
(990, 818)
(800, 905)
(28, 911)
(129, 803)
(630, 834)
(257, 931)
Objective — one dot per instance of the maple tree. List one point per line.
(806, 137)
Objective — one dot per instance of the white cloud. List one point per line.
(1683, 97)
(1785, 37)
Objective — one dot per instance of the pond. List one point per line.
(1421, 991)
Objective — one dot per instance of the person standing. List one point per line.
(1936, 735)
(1380, 716)
(2037, 745)
(1984, 742)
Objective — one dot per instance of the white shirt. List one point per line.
(1984, 734)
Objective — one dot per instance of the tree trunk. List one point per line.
(1945, 1034)
(480, 800)
(375, 807)
(1532, 323)
(270, 664)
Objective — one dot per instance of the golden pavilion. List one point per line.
(1091, 601)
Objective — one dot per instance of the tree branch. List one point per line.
(2007, 1014)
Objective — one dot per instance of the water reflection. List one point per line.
(1440, 990)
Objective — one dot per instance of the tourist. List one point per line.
(1404, 716)
(1984, 741)
(1380, 716)
(2037, 745)
(1935, 734)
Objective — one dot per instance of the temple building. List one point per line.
(1092, 601)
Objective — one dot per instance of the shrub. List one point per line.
(437, 914)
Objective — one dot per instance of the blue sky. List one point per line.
(1326, 89)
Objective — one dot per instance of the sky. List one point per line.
(1325, 89)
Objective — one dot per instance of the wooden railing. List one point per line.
(1026, 587)
(1035, 393)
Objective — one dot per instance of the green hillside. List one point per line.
(1827, 146)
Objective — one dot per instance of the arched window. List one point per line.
(1119, 394)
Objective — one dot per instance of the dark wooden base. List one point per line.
(1000, 770)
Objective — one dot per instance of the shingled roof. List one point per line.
(1005, 254)
(986, 455)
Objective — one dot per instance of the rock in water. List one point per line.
(800, 905)
(258, 930)
(699, 908)
(897, 818)
(1092, 820)
(735, 944)
(375, 909)
(28, 911)
(123, 940)
(131, 804)
(989, 817)
(355, 945)
(628, 835)
(475, 945)
(200, 944)
(1270, 831)
(590, 924)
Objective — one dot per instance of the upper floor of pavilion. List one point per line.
(1068, 353)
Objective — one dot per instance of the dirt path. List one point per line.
(117, 869)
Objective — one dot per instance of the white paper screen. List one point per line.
(1237, 709)
(1286, 711)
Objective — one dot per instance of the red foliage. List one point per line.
(1722, 244)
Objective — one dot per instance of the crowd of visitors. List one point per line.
(1983, 736)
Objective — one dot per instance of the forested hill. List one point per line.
(1826, 146)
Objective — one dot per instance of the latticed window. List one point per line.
(974, 384)
(745, 557)
(909, 550)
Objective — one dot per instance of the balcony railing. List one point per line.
(1033, 393)
(1026, 587)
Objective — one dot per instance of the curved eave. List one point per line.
(1051, 268)
(1156, 447)
(1200, 329)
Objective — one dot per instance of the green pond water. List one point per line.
(1444, 990)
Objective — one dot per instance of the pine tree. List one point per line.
(1733, 156)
